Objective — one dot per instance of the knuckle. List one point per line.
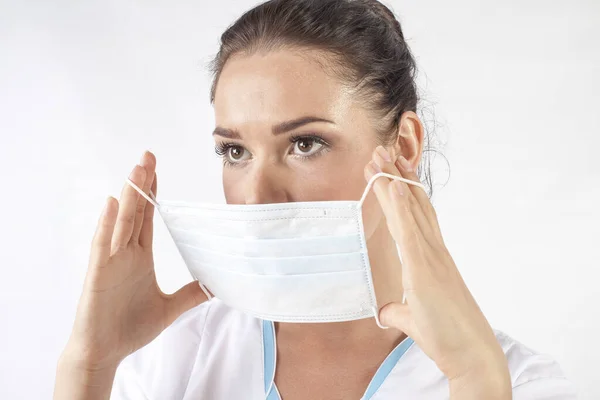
(127, 219)
(119, 247)
(148, 216)
(140, 207)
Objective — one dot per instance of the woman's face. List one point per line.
(288, 131)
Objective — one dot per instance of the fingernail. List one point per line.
(384, 154)
(405, 164)
(399, 187)
(143, 156)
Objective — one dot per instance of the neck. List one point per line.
(387, 280)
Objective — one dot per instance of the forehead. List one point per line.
(278, 85)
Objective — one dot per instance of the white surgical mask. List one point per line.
(284, 262)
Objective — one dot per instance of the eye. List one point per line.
(307, 146)
(232, 153)
(236, 153)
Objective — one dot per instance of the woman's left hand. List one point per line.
(439, 314)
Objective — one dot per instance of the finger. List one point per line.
(396, 315)
(148, 162)
(184, 299)
(382, 195)
(371, 169)
(385, 164)
(406, 233)
(407, 170)
(100, 253)
(380, 162)
(147, 231)
(127, 209)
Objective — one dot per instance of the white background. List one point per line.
(85, 87)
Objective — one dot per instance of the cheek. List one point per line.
(232, 190)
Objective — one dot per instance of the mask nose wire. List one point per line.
(151, 199)
(383, 174)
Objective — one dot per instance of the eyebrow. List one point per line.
(278, 129)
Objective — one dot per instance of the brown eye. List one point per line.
(305, 145)
(236, 153)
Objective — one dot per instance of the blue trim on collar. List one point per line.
(269, 360)
(269, 354)
(386, 367)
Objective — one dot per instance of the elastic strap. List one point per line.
(381, 174)
(150, 198)
(205, 290)
(377, 321)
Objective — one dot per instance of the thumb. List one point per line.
(396, 315)
(185, 299)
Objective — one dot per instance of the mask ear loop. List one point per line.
(377, 321)
(152, 200)
(360, 204)
(384, 174)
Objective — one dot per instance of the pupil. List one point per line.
(305, 145)
(236, 152)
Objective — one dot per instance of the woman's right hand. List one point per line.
(122, 308)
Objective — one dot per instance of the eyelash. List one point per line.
(222, 148)
(315, 138)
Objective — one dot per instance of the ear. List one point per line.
(409, 141)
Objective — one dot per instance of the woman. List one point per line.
(312, 98)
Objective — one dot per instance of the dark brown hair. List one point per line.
(363, 39)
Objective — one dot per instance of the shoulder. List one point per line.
(181, 354)
(534, 375)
